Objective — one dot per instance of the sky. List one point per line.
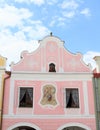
(24, 22)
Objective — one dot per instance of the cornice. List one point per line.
(52, 76)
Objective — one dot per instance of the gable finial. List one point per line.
(50, 33)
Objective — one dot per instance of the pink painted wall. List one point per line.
(38, 108)
(51, 50)
(50, 124)
(6, 96)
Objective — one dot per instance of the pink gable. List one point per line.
(36, 99)
(51, 50)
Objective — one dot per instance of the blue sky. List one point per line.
(24, 22)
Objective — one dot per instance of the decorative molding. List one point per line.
(52, 76)
(30, 116)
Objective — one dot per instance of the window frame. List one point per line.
(72, 107)
(19, 96)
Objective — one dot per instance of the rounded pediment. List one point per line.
(51, 38)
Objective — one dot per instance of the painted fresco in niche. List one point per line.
(48, 97)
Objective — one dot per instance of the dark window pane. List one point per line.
(72, 98)
(26, 97)
(52, 67)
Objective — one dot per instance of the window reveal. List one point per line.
(26, 97)
(72, 98)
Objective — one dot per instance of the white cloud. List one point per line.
(36, 30)
(68, 14)
(36, 2)
(52, 23)
(58, 20)
(11, 46)
(18, 27)
(12, 16)
(21, 19)
(68, 10)
(88, 58)
(51, 2)
(86, 12)
(69, 4)
(18, 31)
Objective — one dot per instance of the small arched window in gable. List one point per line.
(52, 67)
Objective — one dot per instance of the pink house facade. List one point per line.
(49, 89)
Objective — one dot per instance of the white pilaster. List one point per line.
(85, 95)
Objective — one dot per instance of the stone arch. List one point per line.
(24, 124)
(74, 124)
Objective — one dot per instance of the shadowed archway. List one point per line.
(73, 128)
(24, 128)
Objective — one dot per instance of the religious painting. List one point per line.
(48, 97)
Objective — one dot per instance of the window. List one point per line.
(72, 98)
(26, 97)
(52, 67)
